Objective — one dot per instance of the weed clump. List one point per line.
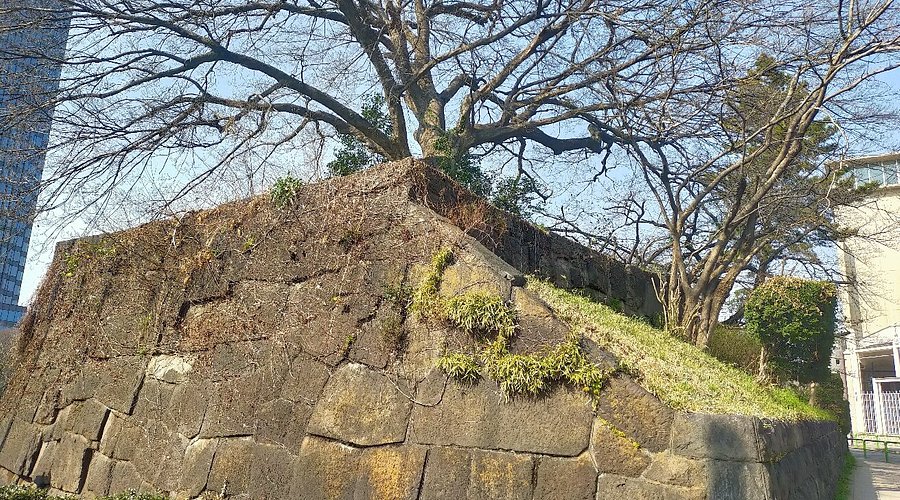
(426, 301)
(284, 192)
(482, 315)
(492, 322)
(462, 367)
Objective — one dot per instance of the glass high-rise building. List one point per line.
(33, 37)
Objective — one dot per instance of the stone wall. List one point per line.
(531, 250)
(257, 353)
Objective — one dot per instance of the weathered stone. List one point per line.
(636, 412)
(198, 457)
(21, 447)
(478, 417)
(112, 430)
(118, 381)
(615, 453)
(99, 475)
(568, 478)
(160, 454)
(170, 369)
(282, 422)
(271, 472)
(610, 486)
(43, 466)
(744, 480)
(326, 469)
(476, 474)
(390, 472)
(70, 463)
(230, 472)
(304, 381)
(722, 437)
(188, 406)
(362, 407)
(125, 477)
(674, 469)
(87, 419)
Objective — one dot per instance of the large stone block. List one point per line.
(720, 437)
(476, 474)
(198, 457)
(743, 480)
(640, 415)
(99, 475)
(231, 466)
(20, 448)
(87, 419)
(362, 407)
(70, 463)
(476, 416)
(327, 469)
(615, 453)
(610, 486)
(565, 478)
(677, 470)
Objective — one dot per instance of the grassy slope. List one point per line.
(681, 375)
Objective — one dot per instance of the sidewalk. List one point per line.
(874, 479)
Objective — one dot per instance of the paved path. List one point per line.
(875, 480)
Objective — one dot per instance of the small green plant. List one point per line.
(460, 165)
(284, 192)
(426, 301)
(354, 154)
(615, 304)
(462, 367)
(72, 261)
(248, 244)
(400, 296)
(481, 315)
(348, 343)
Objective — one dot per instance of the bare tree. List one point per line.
(734, 177)
(198, 83)
(147, 81)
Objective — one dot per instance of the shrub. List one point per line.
(733, 345)
(794, 320)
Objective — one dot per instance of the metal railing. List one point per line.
(882, 445)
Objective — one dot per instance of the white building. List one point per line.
(871, 304)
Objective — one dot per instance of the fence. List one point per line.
(890, 408)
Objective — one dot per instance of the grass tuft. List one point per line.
(481, 315)
(681, 375)
(426, 301)
(462, 367)
(845, 482)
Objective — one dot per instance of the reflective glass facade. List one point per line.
(32, 42)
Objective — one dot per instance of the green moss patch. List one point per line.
(681, 375)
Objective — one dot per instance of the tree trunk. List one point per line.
(813, 400)
(762, 375)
